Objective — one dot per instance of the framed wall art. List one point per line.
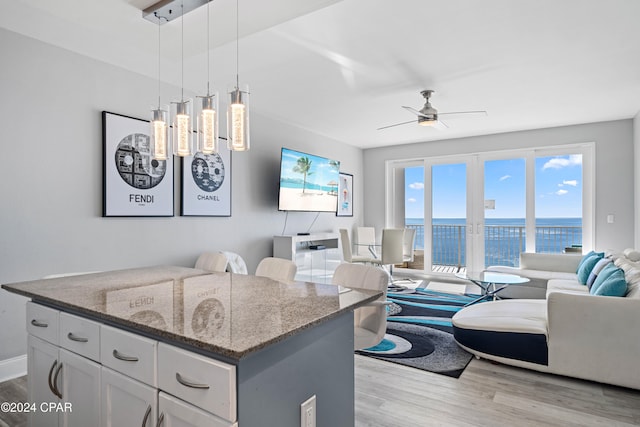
(134, 184)
(345, 195)
(206, 184)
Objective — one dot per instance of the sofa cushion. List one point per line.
(613, 286)
(596, 270)
(566, 285)
(586, 266)
(587, 256)
(604, 274)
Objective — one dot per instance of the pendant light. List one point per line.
(159, 142)
(238, 110)
(207, 114)
(181, 115)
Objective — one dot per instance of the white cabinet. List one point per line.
(64, 387)
(127, 402)
(316, 255)
(79, 386)
(42, 362)
(176, 413)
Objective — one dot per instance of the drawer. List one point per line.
(129, 354)
(80, 335)
(204, 382)
(177, 412)
(42, 322)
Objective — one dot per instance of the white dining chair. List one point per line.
(365, 241)
(392, 248)
(212, 261)
(409, 243)
(370, 320)
(347, 253)
(280, 269)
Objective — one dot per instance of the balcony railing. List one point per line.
(503, 243)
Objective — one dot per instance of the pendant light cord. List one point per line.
(208, 48)
(237, 45)
(182, 48)
(156, 13)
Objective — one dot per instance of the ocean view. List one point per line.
(504, 238)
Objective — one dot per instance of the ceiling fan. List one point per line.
(429, 116)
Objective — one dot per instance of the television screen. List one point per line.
(307, 182)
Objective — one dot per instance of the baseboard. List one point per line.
(13, 368)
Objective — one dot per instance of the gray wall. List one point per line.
(636, 178)
(51, 167)
(614, 174)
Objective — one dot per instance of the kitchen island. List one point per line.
(188, 346)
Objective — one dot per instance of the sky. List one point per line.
(558, 188)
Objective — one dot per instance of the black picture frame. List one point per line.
(134, 184)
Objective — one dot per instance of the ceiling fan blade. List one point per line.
(414, 111)
(397, 124)
(441, 125)
(479, 113)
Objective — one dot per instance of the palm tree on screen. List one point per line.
(303, 166)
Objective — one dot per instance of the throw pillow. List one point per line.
(614, 286)
(585, 269)
(587, 256)
(596, 270)
(602, 276)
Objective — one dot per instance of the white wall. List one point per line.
(51, 173)
(614, 174)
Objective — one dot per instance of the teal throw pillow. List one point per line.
(585, 269)
(614, 286)
(596, 270)
(587, 256)
(602, 276)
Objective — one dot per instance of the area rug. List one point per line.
(419, 332)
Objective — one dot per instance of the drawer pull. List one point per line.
(73, 337)
(121, 356)
(189, 383)
(55, 381)
(34, 322)
(146, 416)
(160, 420)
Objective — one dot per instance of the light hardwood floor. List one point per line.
(487, 394)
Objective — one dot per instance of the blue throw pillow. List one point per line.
(596, 270)
(587, 256)
(602, 276)
(585, 269)
(614, 286)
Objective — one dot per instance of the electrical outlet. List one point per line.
(308, 412)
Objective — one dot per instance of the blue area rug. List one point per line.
(419, 333)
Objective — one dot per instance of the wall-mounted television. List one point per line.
(308, 183)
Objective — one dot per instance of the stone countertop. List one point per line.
(231, 315)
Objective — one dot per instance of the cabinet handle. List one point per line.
(121, 356)
(55, 381)
(189, 383)
(73, 337)
(53, 366)
(34, 322)
(146, 416)
(160, 420)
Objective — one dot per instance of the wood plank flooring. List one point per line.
(487, 394)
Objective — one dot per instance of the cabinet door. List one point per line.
(177, 413)
(80, 389)
(42, 361)
(127, 402)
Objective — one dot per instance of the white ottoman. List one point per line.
(506, 329)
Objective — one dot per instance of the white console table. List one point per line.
(314, 265)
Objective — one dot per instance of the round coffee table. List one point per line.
(491, 283)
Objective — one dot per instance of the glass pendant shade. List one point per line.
(181, 128)
(207, 127)
(160, 149)
(238, 120)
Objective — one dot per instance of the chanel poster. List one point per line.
(134, 184)
(206, 184)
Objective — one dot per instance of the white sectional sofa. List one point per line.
(571, 332)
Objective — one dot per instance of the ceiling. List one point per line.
(343, 68)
